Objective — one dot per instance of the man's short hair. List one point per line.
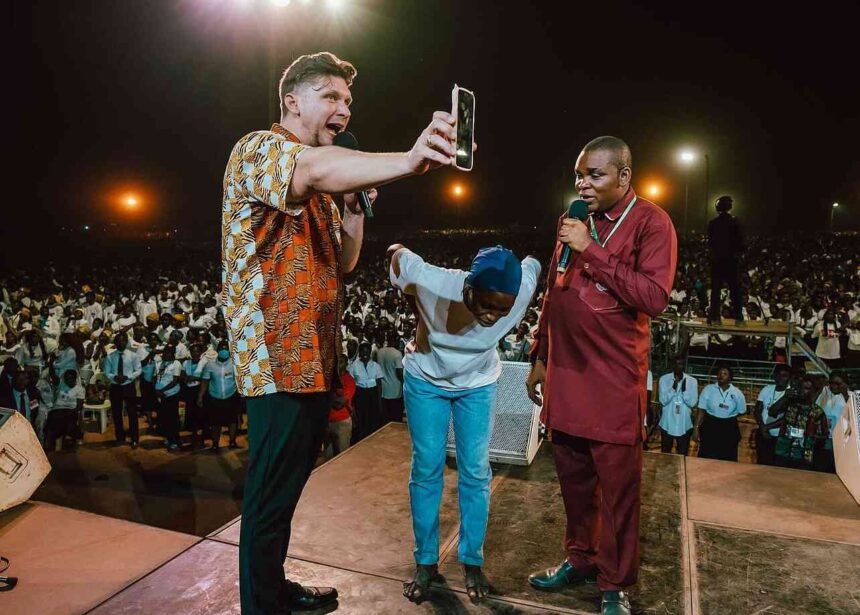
(621, 156)
(311, 67)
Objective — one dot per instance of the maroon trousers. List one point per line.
(600, 484)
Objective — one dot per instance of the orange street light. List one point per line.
(458, 194)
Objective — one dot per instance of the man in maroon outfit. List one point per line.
(591, 363)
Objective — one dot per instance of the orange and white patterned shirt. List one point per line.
(283, 284)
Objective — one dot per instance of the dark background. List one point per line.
(119, 96)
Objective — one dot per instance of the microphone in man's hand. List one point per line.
(578, 209)
(347, 139)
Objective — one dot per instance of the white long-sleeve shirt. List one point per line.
(130, 366)
(678, 403)
(91, 312)
(463, 359)
(828, 341)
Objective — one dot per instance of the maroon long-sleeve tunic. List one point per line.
(594, 329)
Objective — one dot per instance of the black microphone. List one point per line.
(578, 209)
(347, 139)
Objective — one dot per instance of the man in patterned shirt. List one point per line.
(285, 248)
(803, 429)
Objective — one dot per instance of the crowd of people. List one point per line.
(149, 334)
(794, 415)
(812, 282)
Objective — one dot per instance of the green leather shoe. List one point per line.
(615, 603)
(561, 576)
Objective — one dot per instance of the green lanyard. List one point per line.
(602, 244)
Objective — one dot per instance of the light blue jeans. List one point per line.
(428, 412)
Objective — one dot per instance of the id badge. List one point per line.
(724, 406)
(677, 408)
(795, 433)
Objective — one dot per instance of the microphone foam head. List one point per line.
(345, 139)
(578, 209)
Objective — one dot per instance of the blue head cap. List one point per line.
(496, 269)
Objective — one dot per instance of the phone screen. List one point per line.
(465, 128)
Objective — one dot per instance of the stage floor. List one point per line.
(717, 538)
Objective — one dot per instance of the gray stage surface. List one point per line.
(717, 537)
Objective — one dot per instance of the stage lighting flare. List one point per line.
(130, 202)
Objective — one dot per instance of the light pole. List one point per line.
(687, 159)
(832, 211)
(274, 102)
(707, 189)
(458, 191)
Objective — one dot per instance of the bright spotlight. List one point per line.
(654, 190)
(836, 205)
(280, 2)
(335, 5)
(687, 156)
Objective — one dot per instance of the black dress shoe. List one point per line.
(562, 576)
(615, 603)
(298, 598)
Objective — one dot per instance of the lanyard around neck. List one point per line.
(614, 228)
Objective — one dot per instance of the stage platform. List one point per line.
(717, 538)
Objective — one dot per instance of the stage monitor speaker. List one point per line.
(516, 425)
(23, 464)
(846, 445)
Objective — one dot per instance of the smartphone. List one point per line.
(463, 108)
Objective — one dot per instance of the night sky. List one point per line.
(148, 97)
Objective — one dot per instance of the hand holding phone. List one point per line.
(463, 109)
